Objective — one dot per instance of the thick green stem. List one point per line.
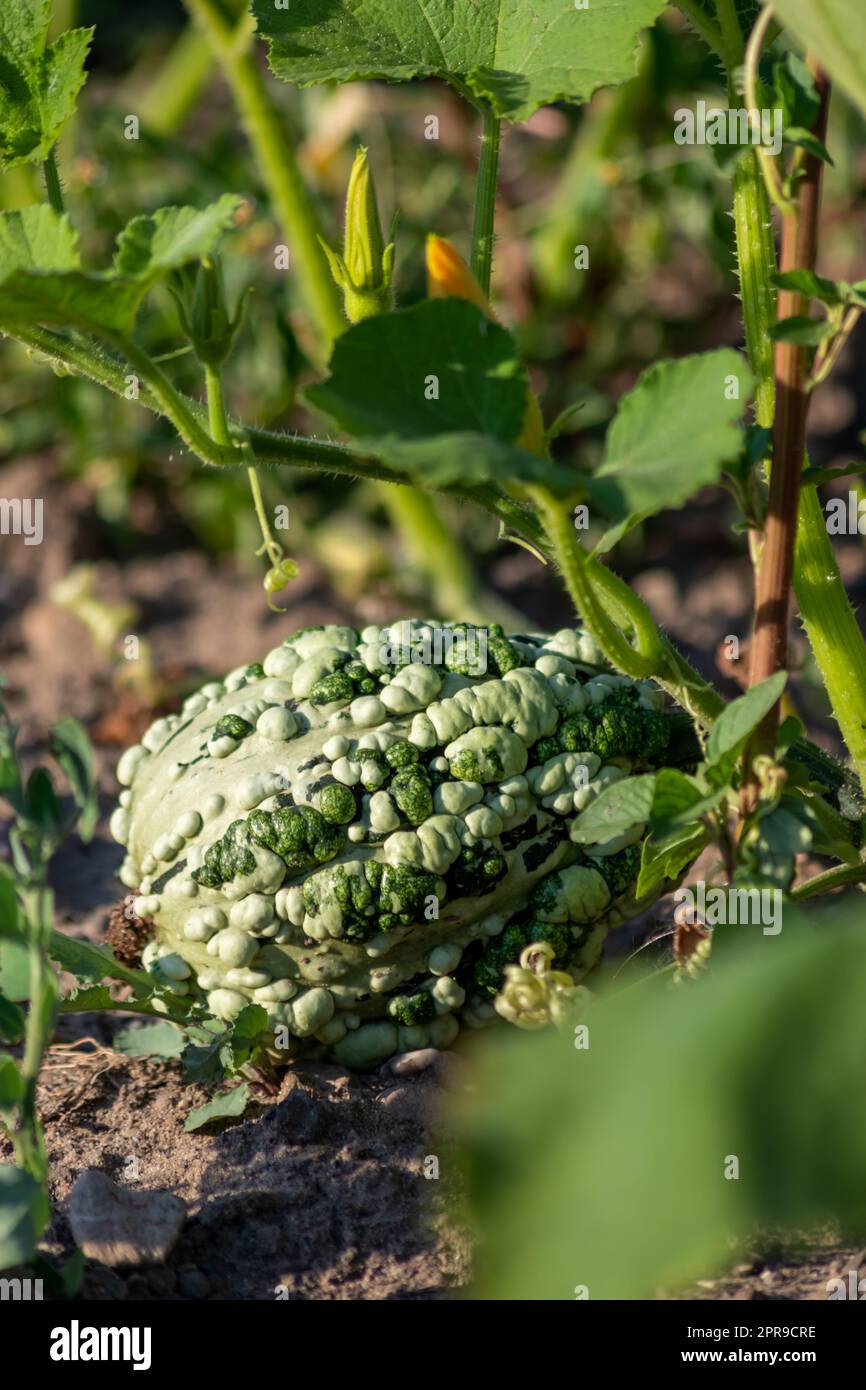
(576, 572)
(52, 182)
(277, 164)
(28, 1138)
(826, 613)
(485, 200)
(216, 406)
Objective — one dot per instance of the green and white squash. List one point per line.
(360, 832)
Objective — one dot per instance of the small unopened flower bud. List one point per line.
(448, 274)
(366, 268)
(200, 296)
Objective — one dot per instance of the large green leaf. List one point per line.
(39, 82)
(438, 393)
(41, 279)
(834, 31)
(514, 55)
(611, 1167)
(440, 367)
(671, 436)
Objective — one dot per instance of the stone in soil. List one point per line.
(117, 1226)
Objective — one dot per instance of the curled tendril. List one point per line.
(534, 996)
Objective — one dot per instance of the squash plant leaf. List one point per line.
(670, 436)
(39, 81)
(736, 722)
(437, 391)
(41, 279)
(514, 56)
(615, 810)
(835, 32)
(158, 242)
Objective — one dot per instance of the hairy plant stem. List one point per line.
(769, 646)
(52, 182)
(575, 568)
(219, 428)
(485, 200)
(825, 611)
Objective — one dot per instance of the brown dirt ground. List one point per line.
(319, 1190)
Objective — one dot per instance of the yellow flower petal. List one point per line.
(449, 275)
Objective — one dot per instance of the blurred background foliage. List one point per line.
(653, 215)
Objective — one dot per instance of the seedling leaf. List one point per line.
(228, 1105)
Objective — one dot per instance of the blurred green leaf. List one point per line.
(71, 747)
(611, 1166)
(11, 1020)
(834, 32)
(807, 282)
(43, 808)
(796, 91)
(15, 969)
(24, 1214)
(12, 1086)
(41, 280)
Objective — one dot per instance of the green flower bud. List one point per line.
(365, 270)
(204, 317)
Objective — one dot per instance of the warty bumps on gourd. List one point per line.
(360, 832)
